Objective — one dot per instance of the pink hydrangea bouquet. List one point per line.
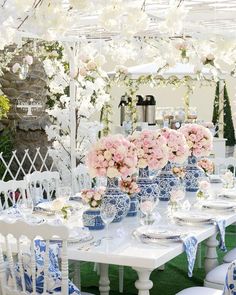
(199, 139)
(176, 142)
(112, 156)
(129, 186)
(93, 197)
(151, 147)
(207, 165)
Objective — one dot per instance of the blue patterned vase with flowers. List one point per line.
(192, 175)
(166, 181)
(147, 186)
(114, 196)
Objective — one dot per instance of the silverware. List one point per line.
(96, 243)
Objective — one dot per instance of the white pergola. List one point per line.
(205, 19)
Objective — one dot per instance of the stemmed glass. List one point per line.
(108, 212)
(64, 192)
(146, 206)
(25, 207)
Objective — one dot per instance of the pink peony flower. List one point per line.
(207, 165)
(176, 142)
(112, 156)
(93, 197)
(152, 149)
(199, 139)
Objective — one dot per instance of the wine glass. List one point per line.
(25, 207)
(147, 205)
(64, 192)
(108, 212)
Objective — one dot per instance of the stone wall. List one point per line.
(27, 127)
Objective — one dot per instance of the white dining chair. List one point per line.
(224, 163)
(11, 192)
(228, 288)
(42, 185)
(29, 259)
(82, 178)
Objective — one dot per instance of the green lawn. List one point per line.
(168, 282)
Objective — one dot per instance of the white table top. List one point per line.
(124, 249)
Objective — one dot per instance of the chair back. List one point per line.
(225, 163)
(26, 263)
(42, 185)
(82, 178)
(230, 280)
(11, 192)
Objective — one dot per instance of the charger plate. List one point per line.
(218, 205)
(154, 235)
(193, 218)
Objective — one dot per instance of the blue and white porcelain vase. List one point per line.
(166, 181)
(192, 175)
(146, 185)
(133, 208)
(92, 219)
(113, 195)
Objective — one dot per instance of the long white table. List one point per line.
(125, 250)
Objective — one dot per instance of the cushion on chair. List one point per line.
(200, 291)
(54, 274)
(217, 275)
(230, 256)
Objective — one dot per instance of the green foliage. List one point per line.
(6, 148)
(4, 106)
(229, 133)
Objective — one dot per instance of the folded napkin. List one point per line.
(220, 223)
(190, 247)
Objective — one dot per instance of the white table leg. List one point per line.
(211, 258)
(104, 282)
(143, 284)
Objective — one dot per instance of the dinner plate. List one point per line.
(154, 235)
(228, 194)
(192, 218)
(214, 178)
(218, 205)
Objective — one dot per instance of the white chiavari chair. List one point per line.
(11, 192)
(229, 284)
(224, 163)
(42, 185)
(82, 178)
(29, 259)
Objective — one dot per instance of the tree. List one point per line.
(229, 133)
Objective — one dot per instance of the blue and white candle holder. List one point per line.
(92, 219)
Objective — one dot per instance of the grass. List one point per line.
(168, 282)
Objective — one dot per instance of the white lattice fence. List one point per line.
(24, 162)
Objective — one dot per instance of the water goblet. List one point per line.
(147, 205)
(25, 207)
(64, 192)
(108, 212)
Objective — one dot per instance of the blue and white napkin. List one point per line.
(190, 247)
(220, 223)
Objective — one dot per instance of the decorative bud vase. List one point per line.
(114, 196)
(146, 185)
(92, 219)
(193, 173)
(166, 180)
(133, 209)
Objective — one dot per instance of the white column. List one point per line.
(221, 109)
(143, 284)
(211, 257)
(104, 282)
